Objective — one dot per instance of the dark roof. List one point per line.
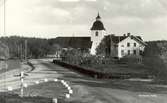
(98, 25)
(117, 39)
(73, 42)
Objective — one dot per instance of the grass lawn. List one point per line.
(41, 93)
(14, 98)
(48, 90)
(120, 68)
(138, 86)
(12, 64)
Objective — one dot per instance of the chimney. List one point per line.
(128, 34)
(112, 34)
(124, 35)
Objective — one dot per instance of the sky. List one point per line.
(53, 18)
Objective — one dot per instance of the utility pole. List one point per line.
(25, 51)
(18, 51)
(21, 51)
(110, 54)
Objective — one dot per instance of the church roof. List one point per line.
(98, 24)
(73, 42)
(117, 39)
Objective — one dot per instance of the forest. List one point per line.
(31, 47)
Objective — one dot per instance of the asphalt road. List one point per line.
(90, 90)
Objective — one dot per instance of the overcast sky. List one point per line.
(52, 18)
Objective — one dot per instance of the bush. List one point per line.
(77, 57)
(131, 59)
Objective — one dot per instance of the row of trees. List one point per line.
(34, 48)
(4, 51)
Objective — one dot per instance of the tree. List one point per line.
(4, 51)
(106, 47)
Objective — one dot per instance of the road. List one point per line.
(90, 90)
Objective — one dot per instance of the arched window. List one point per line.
(96, 33)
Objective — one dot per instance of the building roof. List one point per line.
(98, 24)
(73, 42)
(117, 39)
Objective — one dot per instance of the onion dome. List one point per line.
(98, 24)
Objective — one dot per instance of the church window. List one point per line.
(141, 52)
(134, 52)
(128, 52)
(96, 33)
(122, 52)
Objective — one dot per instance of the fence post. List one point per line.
(95, 76)
(55, 100)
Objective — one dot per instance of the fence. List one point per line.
(99, 75)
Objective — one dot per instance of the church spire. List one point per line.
(98, 24)
(98, 16)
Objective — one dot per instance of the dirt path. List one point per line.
(89, 90)
(9, 78)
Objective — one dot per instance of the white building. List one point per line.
(123, 45)
(97, 34)
(120, 45)
(127, 45)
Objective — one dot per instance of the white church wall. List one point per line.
(96, 39)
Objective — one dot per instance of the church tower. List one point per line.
(97, 34)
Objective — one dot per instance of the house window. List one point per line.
(134, 44)
(96, 33)
(122, 52)
(134, 52)
(128, 44)
(141, 52)
(122, 45)
(128, 52)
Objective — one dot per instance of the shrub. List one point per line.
(131, 59)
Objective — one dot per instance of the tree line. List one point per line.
(34, 48)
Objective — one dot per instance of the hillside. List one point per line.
(36, 47)
(155, 56)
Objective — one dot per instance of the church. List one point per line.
(126, 44)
